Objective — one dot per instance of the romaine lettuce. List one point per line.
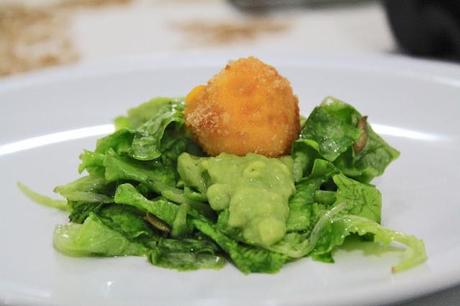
(142, 196)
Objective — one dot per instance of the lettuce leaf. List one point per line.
(120, 231)
(152, 129)
(310, 205)
(331, 128)
(186, 254)
(370, 162)
(246, 258)
(143, 149)
(361, 199)
(42, 199)
(147, 143)
(301, 244)
(93, 238)
(127, 194)
(127, 221)
(180, 226)
(332, 132)
(81, 210)
(156, 175)
(337, 229)
(142, 113)
(294, 245)
(92, 189)
(305, 205)
(120, 141)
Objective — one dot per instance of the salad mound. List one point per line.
(149, 189)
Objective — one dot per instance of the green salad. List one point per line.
(149, 190)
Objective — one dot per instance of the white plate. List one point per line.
(47, 119)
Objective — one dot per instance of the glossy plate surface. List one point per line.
(47, 119)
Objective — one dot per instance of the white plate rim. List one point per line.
(438, 72)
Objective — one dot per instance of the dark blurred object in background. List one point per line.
(426, 27)
(421, 27)
(271, 4)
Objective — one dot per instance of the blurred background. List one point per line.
(35, 34)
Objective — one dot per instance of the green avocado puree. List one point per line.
(254, 188)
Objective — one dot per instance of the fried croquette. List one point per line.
(248, 107)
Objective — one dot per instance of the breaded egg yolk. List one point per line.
(248, 107)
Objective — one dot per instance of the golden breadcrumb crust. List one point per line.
(248, 107)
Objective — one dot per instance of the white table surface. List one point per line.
(151, 27)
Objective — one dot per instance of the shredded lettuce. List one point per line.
(414, 254)
(93, 238)
(140, 195)
(246, 258)
(331, 132)
(42, 199)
